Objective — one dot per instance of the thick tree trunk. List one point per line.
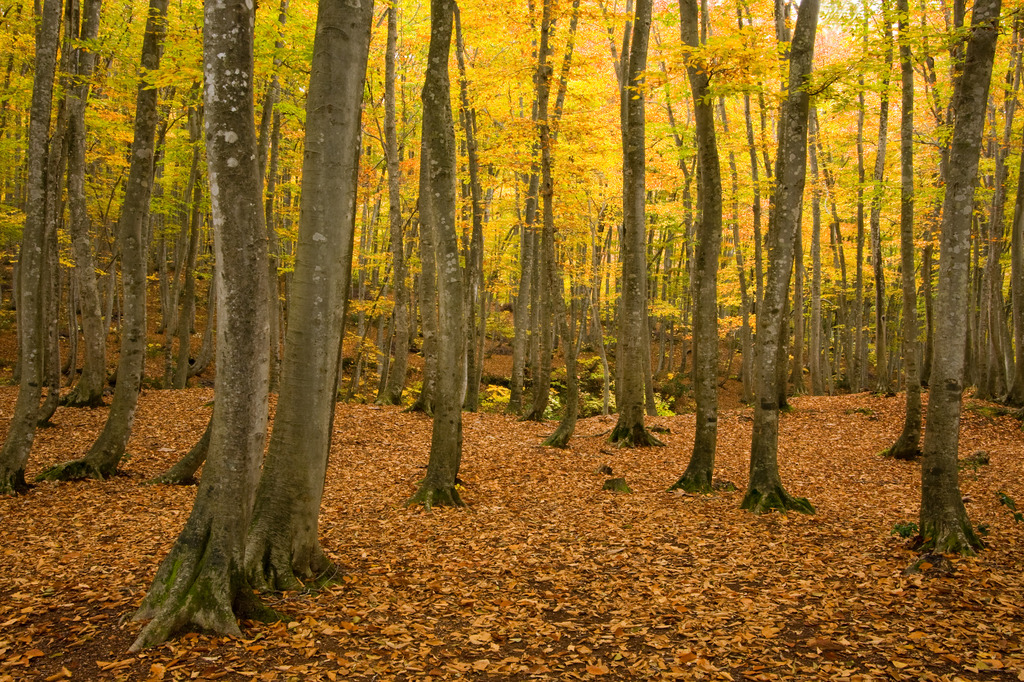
(395, 385)
(764, 489)
(88, 391)
(907, 446)
(438, 487)
(31, 303)
(283, 550)
(944, 523)
(201, 583)
(105, 454)
(700, 470)
(630, 430)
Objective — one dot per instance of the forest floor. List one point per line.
(543, 575)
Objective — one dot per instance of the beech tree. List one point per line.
(944, 526)
(201, 583)
(438, 161)
(629, 430)
(764, 488)
(283, 550)
(32, 323)
(107, 451)
(699, 472)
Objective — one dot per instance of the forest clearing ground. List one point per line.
(544, 575)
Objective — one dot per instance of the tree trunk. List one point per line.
(944, 523)
(105, 454)
(1016, 394)
(881, 370)
(630, 431)
(700, 470)
(816, 364)
(88, 391)
(181, 368)
(764, 489)
(395, 385)
(31, 303)
(201, 583)
(184, 470)
(438, 487)
(283, 550)
(908, 445)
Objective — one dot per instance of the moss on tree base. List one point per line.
(75, 470)
(560, 438)
(694, 483)
(13, 483)
(436, 496)
(939, 538)
(775, 499)
(616, 485)
(279, 571)
(76, 399)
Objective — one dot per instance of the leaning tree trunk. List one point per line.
(438, 487)
(698, 474)
(31, 302)
(201, 583)
(764, 489)
(183, 472)
(283, 550)
(105, 454)
(944, 523)
(88, 390)
(908, 445)
(395, 385)
(630, 430)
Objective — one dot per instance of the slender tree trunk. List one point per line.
(817, 378)
(944, 523)
(700, 470)
(30, 301)
(764, 489)
(395, 385)
(1016, 394)
(88, 391)
(201, 583)
(881, 370)
(438, 487)
(105, 454)
(630, 429)
(907, 446)
(184, 470)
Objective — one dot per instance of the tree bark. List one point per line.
(944, 524)
(630, 431)
(700, 470)
(395, 385)
(282, 550)
(908, 445)
(764, 489)
(106, 453)
(88, 390)
(881, 346)
(30, 301)
(201, 583)
(438, 487)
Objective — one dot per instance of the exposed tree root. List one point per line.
(184, 471)
(421, 405)
(79, 397)
(75, 470)
(432, 496)
(270, 567)
(775, 499)
(633, 437)
(197, 587)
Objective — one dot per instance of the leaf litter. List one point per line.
(544, 575)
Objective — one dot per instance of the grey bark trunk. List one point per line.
(438, 487)
(201, 583)
(106, 453)
(881, 355)
(700, 470)
(908, 445)
(943, 522)
(282, 550)
(764, 488)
